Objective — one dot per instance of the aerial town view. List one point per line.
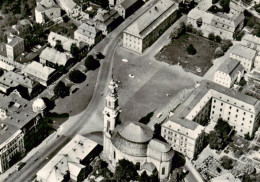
(129, 90)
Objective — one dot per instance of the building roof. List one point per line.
(88, 29)
(243, 51)
(231, 67)
(126, 3)
(228, 177)
(148, 21)
(135, 132)
(159, 146)
(69, 4)
(12, 40)
(251, 38)
(19, 113)
(68, 159)
(13, 79)
(148, 166)
(65, 41)
(54, 56)
(38, 70)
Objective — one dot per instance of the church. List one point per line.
(133, 141)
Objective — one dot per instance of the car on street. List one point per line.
(159, 115)
(131, 76)
(19, 166)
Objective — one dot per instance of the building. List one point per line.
(40, 73)
(53, 58)
(253, 76)
(149, 26)
(11, 80)
(251, 41)
(14, 46)
(47, 10)
(88, 33)
(71, 161)
(133, 141)
(126, 8)
(184, 137)
(70, 7)
(257, 62)
(113, 3)
(20, 129)
(210, 102)
(220, 24)
(66, 42)
(228, 177)
(229, 72)
(243, 54)
(107, 20)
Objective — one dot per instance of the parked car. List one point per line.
(19, 166)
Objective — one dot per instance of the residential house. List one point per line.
(126, 8)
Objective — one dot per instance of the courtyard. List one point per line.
(175, 53)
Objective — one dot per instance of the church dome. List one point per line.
(132, 138)
(38, 105)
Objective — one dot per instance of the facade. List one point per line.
(257, 62)
(17, 122)
(66, 42)
(211, 101)
(133, 141)
(70, 162)
(88, 33)
(126, 8)
(14, 46)
(251, 41)
(229, 72)
(220, 24)
(46, 9)
(70, 7)
(243, 54)
(107, 20)
(40, 73)
(53, 58)
(145, 30)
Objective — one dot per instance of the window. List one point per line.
(230, 107)
(237, 110)
(163, 170)
(221, 104)
(220, 109)
(114, 154)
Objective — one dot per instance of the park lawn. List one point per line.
(175, 53)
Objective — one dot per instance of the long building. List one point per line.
(20, 128)
(210, 101)
(144, 31)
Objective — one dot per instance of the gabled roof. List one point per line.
(243, 51)
(54, 56)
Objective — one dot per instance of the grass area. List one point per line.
(176, 53)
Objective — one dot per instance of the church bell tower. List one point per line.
(111, 116)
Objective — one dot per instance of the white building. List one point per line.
(52, 57)
(257, 62)
(211, 101)
(46, 9)
(220, 24)
(229, 72)
(243, 54)
(14, 46)
(251, 41)
(70, 7)
(88, 33)
(126, 8)
(133, 141)
(40, 73)
(71, 161)
(149, 26)
(228, 177)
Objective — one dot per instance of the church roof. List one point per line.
(135, 132)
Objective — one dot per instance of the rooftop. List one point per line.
(243, 51)
(151, 18)
(68, 159)
(54, 56)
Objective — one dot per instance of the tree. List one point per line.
(125, 171)
(77, 76)
(218, 53)
(211, 36)
(215, 1)
(91, 63)
(61, 90)
(144, 177)
(58, 46)
(1, 72)
(226, 45)
(74, 50)
(218, 38)
(227, 163)
(100, 55)
(191, 50)
(225, 5)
